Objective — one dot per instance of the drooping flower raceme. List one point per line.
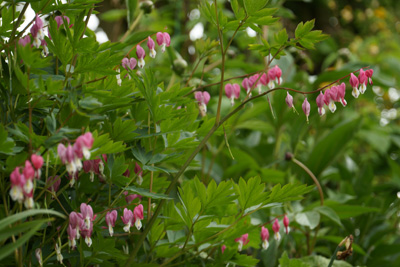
(275, 228)
(202, 98)
(243, 240)
(306, 108)
(111, 217)
(286, 224)
(141, 55)
(71, 155)
(232, 91)
(264, 237)
(163, 40)
(138, 216)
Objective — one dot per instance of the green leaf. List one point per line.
(146, 193)
(89, 103)
(289, 192)
(281, 37)
(20, 228)
(250, 193)
(303, 29)
(330, 213)
(318, 260)
(6, 143)
(330, 146)
(348, 211)
(284, 261)
(113, 15)
(24, 214)
(308, 218)
(244, 260)
(253, 6)
(131, 6)
(11, 247)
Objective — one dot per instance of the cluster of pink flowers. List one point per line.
(269, 79)
(71, 156)
(81, 224)
(95, 166)
(244, 239)
(202, 99)
(37, 33)
(232, 91)
(163, 40)
(336, 93)
(22, 184)
(130, 218)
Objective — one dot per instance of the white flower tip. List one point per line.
(138, 224)
(265, 244)
(277, 236)
(88, 241)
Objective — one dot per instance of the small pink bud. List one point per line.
(140, 54)
(223, 247)
(354, 83)
(369, 74)
(29, 172)
(306, 108)
(202, 98)
(289, 100)
(138, 216)
(243, 240)
(53, 183)
(264, 237)
(276, 227)
(341, 93)
(25, 40)
(37, 161)
(127, 219)
(111, 218)
(363, 79)
(151, 45)
(320, 103)
(286, 224)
